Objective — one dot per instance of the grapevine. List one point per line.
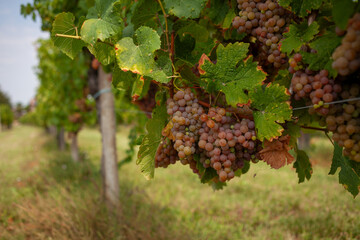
(230, 88)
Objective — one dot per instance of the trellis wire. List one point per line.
(329, 103)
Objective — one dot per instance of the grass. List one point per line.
(43, 195)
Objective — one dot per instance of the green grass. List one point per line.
(43, 195)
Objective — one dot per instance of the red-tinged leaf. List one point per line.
(202, 60)
(276, 153)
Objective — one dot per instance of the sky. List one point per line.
(17, 52)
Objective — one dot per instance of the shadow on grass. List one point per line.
(69, 206)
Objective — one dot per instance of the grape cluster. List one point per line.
(221, 139)
(347, 55)
(165, 154)
(185, 112)
(318, 88)
(343, 120)
(266, 21)
(226, 143)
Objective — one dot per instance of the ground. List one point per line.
(43, 195)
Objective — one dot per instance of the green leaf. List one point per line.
(217, 185)
(219, 12)
(199, 165)
(301, 7)
(138, 87)
(200, 33)
(325, 46)
(355, 166)
(102, 22)
(228, 20)
(246, 167)
(123, 80)
(185, 8)
(208, 175)
(140, 58)
(272, 107)
(144, 12)
(232, 74)
(104, 53)
(294, 131)
(64, 24)
(298, 35)
(303, 166)
(151, 141)
(347, 175)
(283, 78)
(342, 10)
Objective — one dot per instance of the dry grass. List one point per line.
(44, 195)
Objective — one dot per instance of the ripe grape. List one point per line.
(347, 55)
(266, 21)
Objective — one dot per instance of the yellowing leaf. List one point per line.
(272, 107)
(140, 58)
(103, 21)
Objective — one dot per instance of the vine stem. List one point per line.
(79, 38)
(67, 36)
(166, 25)
(315, 128)
(327, 135)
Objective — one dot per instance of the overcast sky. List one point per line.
(17, 51)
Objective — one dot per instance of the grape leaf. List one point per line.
(228, 20)
(102, 22)
(200, 33)
(325, 46)
(232, 74)
(276, 153)
(246, 167)
(185, 8)
(355, 166)
(342, 10)
(145, 11)
(272, 107)
(347, 175)
(150, 143)
(104, 53)
(64, 24)
(303, 166)
(283, 78)
(140, 58)
(137, 87)
(301, 7)
(217, 185)
(218, 12)
(123, 80)
(298, 35)
(294, 131)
